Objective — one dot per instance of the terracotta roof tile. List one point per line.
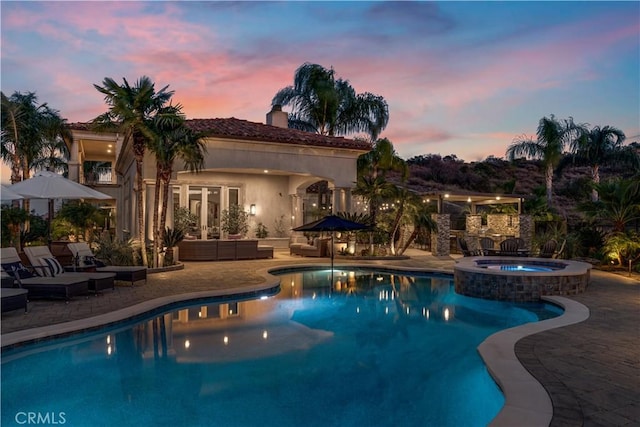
(243, 129)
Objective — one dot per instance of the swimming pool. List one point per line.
(377, 348)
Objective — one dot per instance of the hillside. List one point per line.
(493, 175)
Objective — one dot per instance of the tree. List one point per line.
(552, 137)
(372, 170)
(32, 137)
(327, 106)
(132, 111)
(618, 205)
(54, 153)
(173, 140)
(599, 146)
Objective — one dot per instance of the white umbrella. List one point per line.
(7, 195)
(51, 186)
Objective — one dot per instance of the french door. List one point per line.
(206, 203)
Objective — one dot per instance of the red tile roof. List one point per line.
(243, 129)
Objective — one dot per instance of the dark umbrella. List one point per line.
(332, 223)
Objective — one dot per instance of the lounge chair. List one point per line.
(548, 249)
(47, 265)
(85, 258)
(64, 287)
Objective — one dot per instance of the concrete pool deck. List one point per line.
(591, 370)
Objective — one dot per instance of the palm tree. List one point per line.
(32, 137)
(618, 205)
(327, 106)
(174, 140)
(372, 170)
(54, 153)
(599, 146)
(552, 137)
(132, 110)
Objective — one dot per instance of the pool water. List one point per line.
(523, 268)
(376, 348)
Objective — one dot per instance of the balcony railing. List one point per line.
(98, 176)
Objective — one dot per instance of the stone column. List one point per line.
(473, 227)
(526, 230)
(440, 240)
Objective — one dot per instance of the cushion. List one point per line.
(54, 267)
(13, 268)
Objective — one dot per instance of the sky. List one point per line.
(462, 78)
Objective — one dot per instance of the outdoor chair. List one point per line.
(319, 248)
(84, 258)
(64, 287)
(487, 245)
(548, 249)
(464, 248)
(509, 247)
(40, 257)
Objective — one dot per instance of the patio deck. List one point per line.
(591, 369)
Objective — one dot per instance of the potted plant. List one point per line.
(171, 239)
(235, 222)
(261, 231)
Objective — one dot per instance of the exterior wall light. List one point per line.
(252, 209)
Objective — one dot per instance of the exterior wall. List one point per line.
(335, 165)
(239, 163)
(267, 192)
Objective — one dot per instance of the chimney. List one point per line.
(277, 117)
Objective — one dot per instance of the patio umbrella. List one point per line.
(332, 223)
(7, 195)
(50, 186)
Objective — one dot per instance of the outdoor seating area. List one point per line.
(512, 247)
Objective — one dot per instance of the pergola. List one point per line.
(474, 199)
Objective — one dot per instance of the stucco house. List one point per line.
(266, 168)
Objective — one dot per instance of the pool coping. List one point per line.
(525, 397)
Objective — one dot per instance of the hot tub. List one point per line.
(519, 279)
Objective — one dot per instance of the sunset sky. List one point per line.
(460, 78)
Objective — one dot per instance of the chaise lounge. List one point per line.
(86, 259)
(64, 287)
(47, 265)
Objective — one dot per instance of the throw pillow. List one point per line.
(16, 268)
(54, 266)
